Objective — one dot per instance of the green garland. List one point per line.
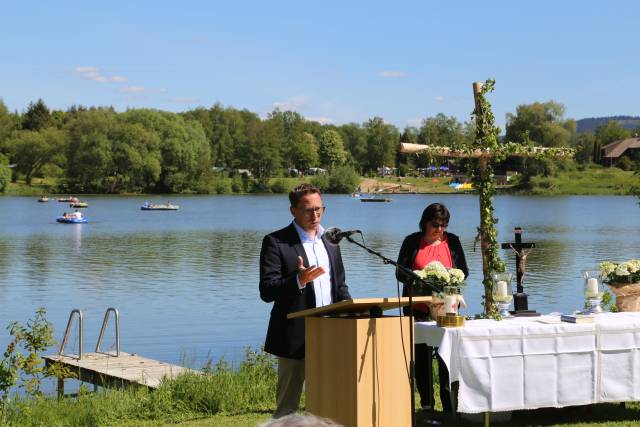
(482, 177)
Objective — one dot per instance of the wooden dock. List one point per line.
(102, 369)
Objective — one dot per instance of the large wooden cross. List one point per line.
(486, 149)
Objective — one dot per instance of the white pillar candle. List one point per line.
(592, 286)
(501, 289)
(451, 304)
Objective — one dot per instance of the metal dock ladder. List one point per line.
(100, 367)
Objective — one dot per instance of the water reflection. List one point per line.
(186, 283)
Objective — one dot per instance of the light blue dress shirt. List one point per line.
(317, 255)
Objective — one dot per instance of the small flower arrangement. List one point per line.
(439, 275)
(624, 272)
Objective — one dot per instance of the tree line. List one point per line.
(204, 150)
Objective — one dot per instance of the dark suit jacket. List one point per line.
(278, 284)
(409, 251)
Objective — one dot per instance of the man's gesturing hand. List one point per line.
(308, 274)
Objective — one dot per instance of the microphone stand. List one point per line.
(414, 278)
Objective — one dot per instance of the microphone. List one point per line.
(334, 234)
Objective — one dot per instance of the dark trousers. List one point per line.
(424, 378)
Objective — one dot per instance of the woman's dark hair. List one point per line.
(434, 212)
(302, 190)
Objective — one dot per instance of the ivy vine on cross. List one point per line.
(488, 150)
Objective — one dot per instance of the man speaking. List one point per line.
(298, 270)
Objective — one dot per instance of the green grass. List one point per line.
(219, 390)
(591, 181)
(243, 397)
(38, 187)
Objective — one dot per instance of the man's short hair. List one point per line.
(300, 191)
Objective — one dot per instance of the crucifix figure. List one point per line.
(521, 303)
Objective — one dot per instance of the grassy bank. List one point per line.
(592, 180)
(242, 397)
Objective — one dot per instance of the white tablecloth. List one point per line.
(521, 363)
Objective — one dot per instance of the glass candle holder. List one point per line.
(592, 291)
(451, 299)
(501, 292)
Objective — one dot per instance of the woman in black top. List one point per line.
(417, 249)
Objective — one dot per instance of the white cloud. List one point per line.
(439, 98)
(392, 74)
(93, 73)
(292, 104)
(87, 70)
(321, 120)
(132, 89)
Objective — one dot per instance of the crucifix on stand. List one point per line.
(520, 298)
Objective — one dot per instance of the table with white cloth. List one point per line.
(524, 363)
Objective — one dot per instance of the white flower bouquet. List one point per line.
(626, 272)
(439, 275)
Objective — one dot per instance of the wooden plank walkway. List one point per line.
(107, 370)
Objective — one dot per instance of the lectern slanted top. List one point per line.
(360, 305)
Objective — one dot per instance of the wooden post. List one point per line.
(60, 387)
(484, 238)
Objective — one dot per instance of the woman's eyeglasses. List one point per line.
(435, 224)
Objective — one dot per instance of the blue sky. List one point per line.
(335, 62)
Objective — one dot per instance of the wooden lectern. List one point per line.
(356, 364)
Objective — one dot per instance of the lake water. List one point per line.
(186, 282)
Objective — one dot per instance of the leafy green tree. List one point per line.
(541, 123)
(37, 116)
(89, 150)
(441, 131)
(355, 142)
(5, 173)
(264, 153)
(31, 150)
(342, 180)
(304, 153)
(606, 134)
(136, 158)
(8, 124)
(381, 140)
(185, 151)
(585, 147)
(331, 149)
(610, 132)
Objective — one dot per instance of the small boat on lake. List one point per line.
(70, 199)
(64, 220)
(375, 199)
(146, 206)
(73, 218)
(79, 205)
(43, 199)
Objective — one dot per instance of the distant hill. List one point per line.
(591, 124)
